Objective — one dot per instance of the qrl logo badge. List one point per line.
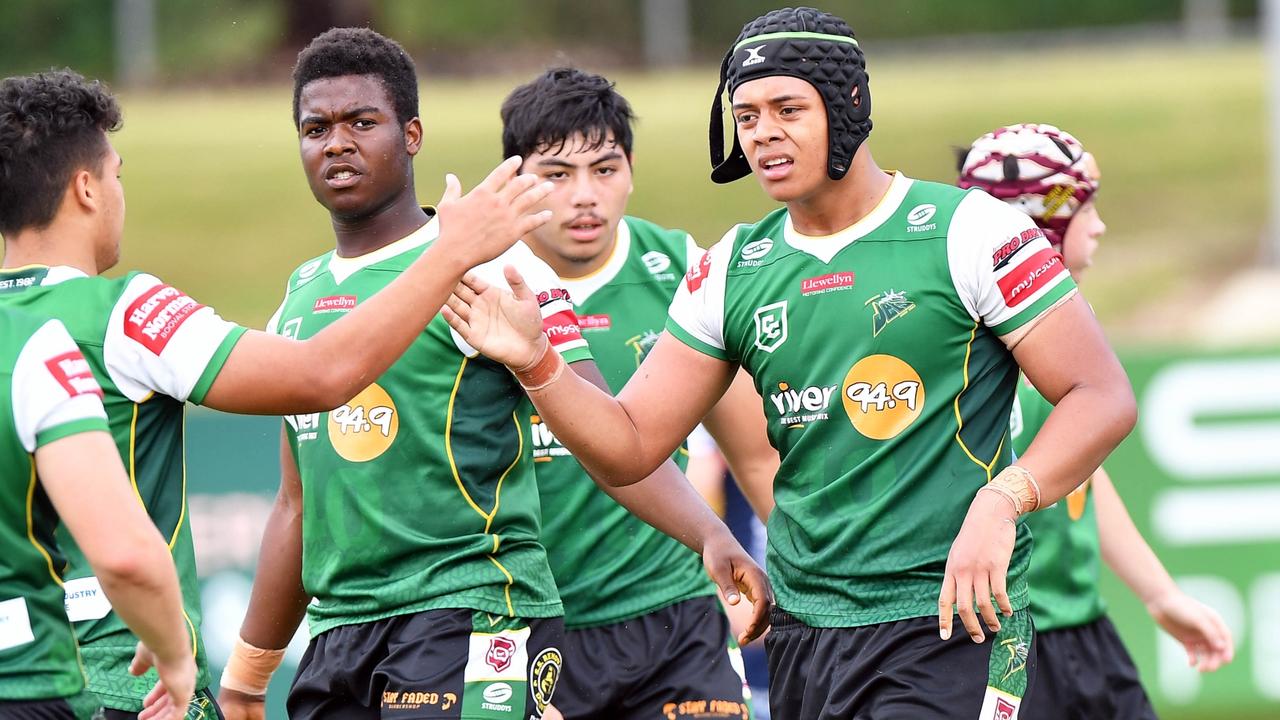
(771, 326)
(501, 650)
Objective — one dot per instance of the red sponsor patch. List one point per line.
(594, 322)
(1034, 273)
(1004, 710)
(501, 651)
(552, 295)
(1005, 252)
(698, 274)
(73, 373)
(156, 315)
(334, 303)
(562, 328)
(826, 283)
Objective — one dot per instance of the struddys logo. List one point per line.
(501, 651)
(642, 344)
(659, 265)
(798, 407)
(887, 307)
(919, 217)
(753, 253)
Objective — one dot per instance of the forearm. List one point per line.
(1123, 548)
(1084, 427)
(278, 600)
(149, 601)
(740, 430)
(669, 503)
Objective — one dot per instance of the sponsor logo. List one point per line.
(771, 326)
(544, 673)
(546, 447)
(698, 273)
(887, 307)
(156, 315)
(334, 303)
(642, 344)
(1005, 710)
(309, 269)
(882, 396)
(562, 328)
(919, 217)
(656, 262)
(501, 650)
(497, 693)
(706, 709)
(826, 283)
(549, 296)
(594, 322)
(73, 373)
(365, 426)
(804, 405)
(1018, 650)
(1028, 278)
(306, 426)
(753, 55)
(414, 700)
(1007, 251)
(752, 252)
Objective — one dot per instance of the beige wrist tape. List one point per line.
(249, 668)
(544, 370)
(1018, 486)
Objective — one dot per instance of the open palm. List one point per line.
(504, 326)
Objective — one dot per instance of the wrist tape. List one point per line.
(249, 668)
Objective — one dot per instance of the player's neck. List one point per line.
(573, 268)
(52, 246)
(838, 204)
(358, 236)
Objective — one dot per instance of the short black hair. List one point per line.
(546, 112)
(52, 124)
(359, 51)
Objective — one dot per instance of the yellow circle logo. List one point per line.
(365, 427)
(882, 395)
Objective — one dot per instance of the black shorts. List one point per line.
(898, 671)
(1086, 673)
(56, 709)
(201, 707)
(436, 665)
(675, 662)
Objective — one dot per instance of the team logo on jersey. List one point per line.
(826, 283)
(882, 395)
(698, 273)
(753, 252)
(771, 326)
(544, 674)
(155, 316)
(753, 55)
(365, 427)
(1035, 273)
(291, 328)
(801, 406)
(642, 344)
(73, 373)
(1006, 252)
(656, 262)
(501, 651)
(887, 307)
(919, 217)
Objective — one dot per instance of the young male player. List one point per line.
(58, 463)
(1084, 670)
(874, 301)
(410, 513)
(153, 348)
(645, 633)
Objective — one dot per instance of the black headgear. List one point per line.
(816, 47)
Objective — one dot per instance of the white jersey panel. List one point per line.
(52, 384)
(698, 307)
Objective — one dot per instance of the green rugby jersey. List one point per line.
(47, 392)
(419, 493)
(1067, 562)
(152, 348)
(880, 356)
(609, 564)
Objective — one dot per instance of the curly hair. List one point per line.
(359, 51)
(547, 111)
(52, 124)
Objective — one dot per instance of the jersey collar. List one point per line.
(581, 288)
(342, 268)
(56, 274)
(825, 247)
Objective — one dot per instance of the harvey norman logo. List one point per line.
(826, 283)
(919, 217)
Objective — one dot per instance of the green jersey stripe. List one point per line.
(1054, 295)
(215, 365)
(75, 427)
(683, 336)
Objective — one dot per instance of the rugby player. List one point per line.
(153, 348)
(870, 305)
(644, 631)
(1084, 668)
(58, 464)
(410, 513)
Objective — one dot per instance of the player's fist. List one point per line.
(484, 223)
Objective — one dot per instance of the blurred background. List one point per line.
(1172, 97)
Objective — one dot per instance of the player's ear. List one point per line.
(82, 191)
(413, 136)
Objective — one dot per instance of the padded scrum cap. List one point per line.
(811, 45)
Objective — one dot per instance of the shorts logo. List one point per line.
(771, 326)
(753, 56)
(501, 650)
(156, 315)
(919, 216)
(706, 709)
(826, 283)
(544, 673)
(887, 307)
(72, 372)
(656, 262)
(334, 303)
(1005, 710)
(1006, 252)
(752, 252)
(882, 395)
(1035, 273)
(365, 427)
(698, 274)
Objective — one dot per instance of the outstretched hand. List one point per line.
(733, 571)
(504, 326)
(1199, 629)
(481, 225)
(977, 568)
